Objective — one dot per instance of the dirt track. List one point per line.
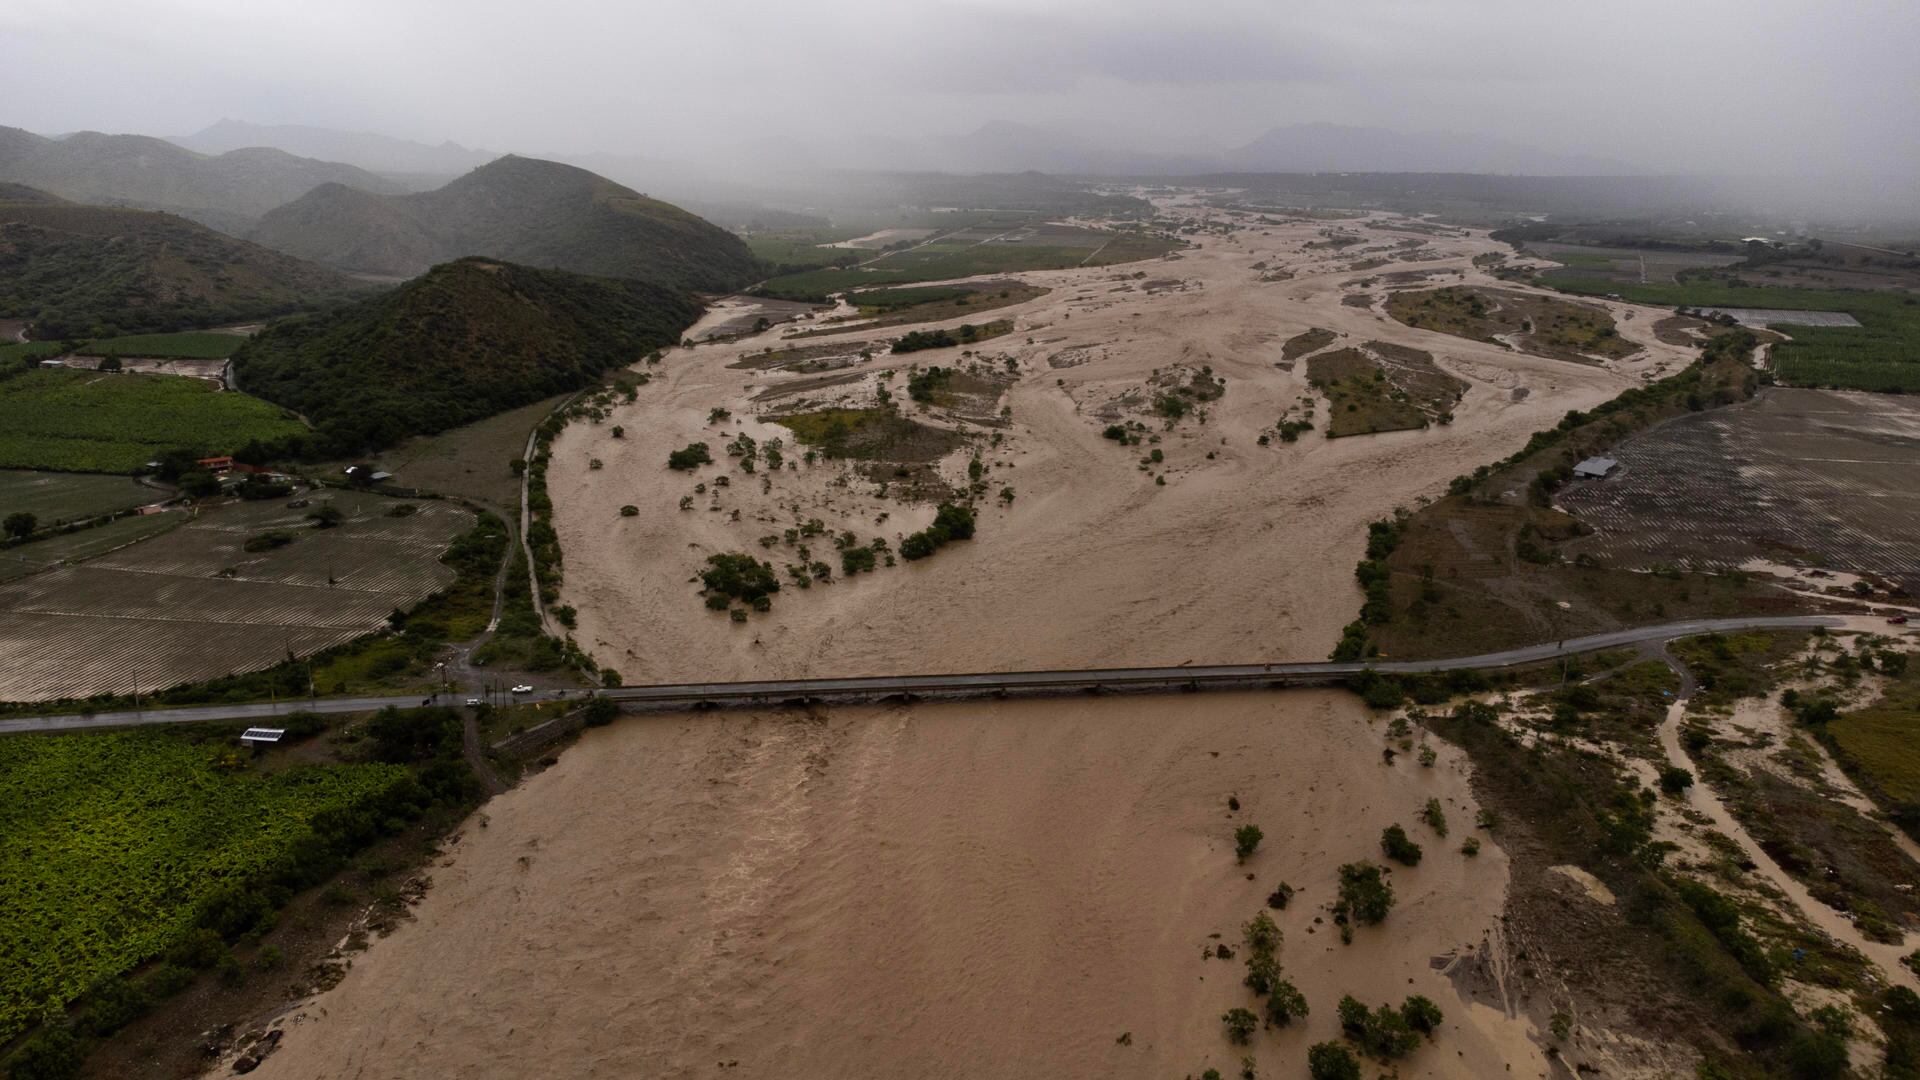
(959, 890)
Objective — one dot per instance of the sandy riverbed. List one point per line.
(1245, 556)
(974, 890)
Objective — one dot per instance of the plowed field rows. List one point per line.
(193, 604)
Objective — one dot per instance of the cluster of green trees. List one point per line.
(690, 458)
(1365, 897)
(732, 576)
(1375, 580)
(1386, 1032)
(965, 334)
(951, 522)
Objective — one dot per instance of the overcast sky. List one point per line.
(1685, 85)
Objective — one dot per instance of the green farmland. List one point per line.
(191, 345)
(114, 844)
(1882, 353)
(986, 249)
(82, 421)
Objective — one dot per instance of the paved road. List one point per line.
(1000, 683)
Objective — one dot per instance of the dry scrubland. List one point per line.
(193, 603)
(977, 890)
(1243, 555)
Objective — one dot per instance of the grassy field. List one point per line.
(191, 345)
(54, 498)
(1305, 342)
(1544, 327)
(1881, 744)
(1882, 353)
(1382, 388)
(79, 421)
(974, 251)
(112, 842)
(28, 350)
(869, 435)
(793, 251)
(471, 461)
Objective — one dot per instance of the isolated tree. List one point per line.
(1396, 845)
(1241, 1024)
(1245, 839)
(1285, 1004)
(1331, 1061)
(20, 525)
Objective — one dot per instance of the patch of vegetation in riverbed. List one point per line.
(1541, 325)
(1382, 387)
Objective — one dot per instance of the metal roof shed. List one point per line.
(1595, 468)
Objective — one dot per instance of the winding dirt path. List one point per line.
(1701, 799)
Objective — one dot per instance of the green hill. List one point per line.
(93, 271)
(468, 339)
(523, 210)
(227, 191)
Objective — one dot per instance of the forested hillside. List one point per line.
(468, 339)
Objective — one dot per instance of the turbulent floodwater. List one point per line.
(955, 890)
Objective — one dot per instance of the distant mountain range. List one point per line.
(466, 340)
(1003, 146)
(89, 271)
(225, 191)
(523, 210)
(375, 153)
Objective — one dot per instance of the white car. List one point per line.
(473, 701)
(523, 688)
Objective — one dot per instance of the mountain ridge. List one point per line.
(75, 270)
(524, 210)
(224, 191)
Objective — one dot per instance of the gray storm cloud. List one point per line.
(1758, 86)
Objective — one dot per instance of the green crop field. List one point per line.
(1882, 353)
(53, 498)
(975, 251)
(796, 250)
(28, 350)
(191, 345)
(82, 421)
(111, 841)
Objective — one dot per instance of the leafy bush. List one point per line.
(950, 522)
(737, 576)
(1245, 839)
(694, 456)
(1241, 1024)
(1331, 1061)
(1365, 895)
(1396, 845)
(1285, 1003)
(267, 541)
(1421, 1013)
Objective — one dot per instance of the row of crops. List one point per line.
(1881, 354)
(82, 421)
(112, 846)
